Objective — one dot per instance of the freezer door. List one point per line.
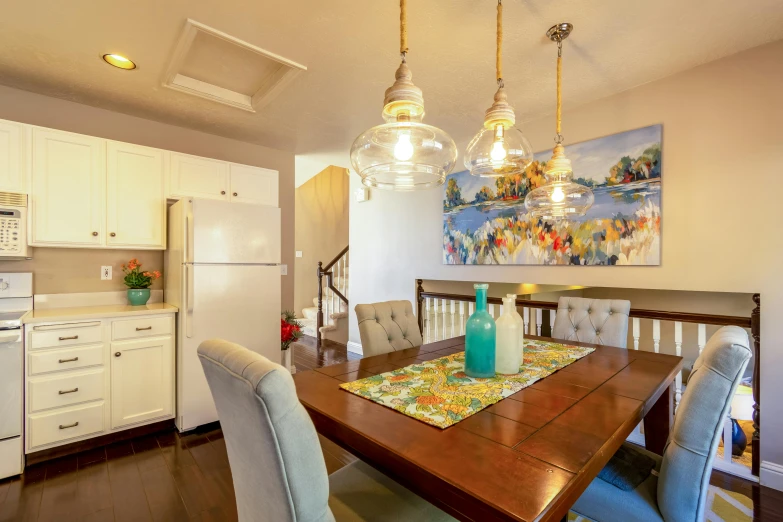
(237, 233)
(238, 303)
(10, 383)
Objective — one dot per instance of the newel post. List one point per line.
(319, 322)
(419, 304)
(755, 332)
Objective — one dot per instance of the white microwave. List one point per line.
(13, 226)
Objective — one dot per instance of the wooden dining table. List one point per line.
(528, 457)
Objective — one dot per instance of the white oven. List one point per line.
(13, 226)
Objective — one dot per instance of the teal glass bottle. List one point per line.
(480, 338)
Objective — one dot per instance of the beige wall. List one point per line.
(722, 159)
(60, 114)
(321, 229)
(75, 270)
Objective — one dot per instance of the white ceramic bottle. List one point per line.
(521, 323)
(508, 356)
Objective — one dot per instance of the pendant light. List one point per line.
(403, 153)
(499, 148)
(560, 197)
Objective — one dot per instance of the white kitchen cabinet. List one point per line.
(193, 176)
(68, 189)
(14, 156)
(253, 185)
(142, 380)
(135, 196)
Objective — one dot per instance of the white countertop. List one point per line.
(95, 312)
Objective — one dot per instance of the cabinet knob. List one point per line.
(94, 233)
(223, 192)
(235, 194)
(113, 234)
(117, 354)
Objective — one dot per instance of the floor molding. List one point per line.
(771, 475)
(355, 348)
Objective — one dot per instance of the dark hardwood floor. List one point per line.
(171, 477)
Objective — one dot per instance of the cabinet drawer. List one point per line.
(136, 328)
(64, 390)
(66, 359)
(66, 424)
(66, 335)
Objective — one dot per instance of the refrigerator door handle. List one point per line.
(189, 234)
(189, 298)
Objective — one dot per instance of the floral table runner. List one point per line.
(439, 393)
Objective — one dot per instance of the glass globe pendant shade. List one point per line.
(403, 153)
(498, 151)
(560, 198)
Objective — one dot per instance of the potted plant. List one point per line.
(138, 282)
(290, 331)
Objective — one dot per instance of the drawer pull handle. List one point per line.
(117, 354)
(69, 360)
(145, 328)
(71, 338)
(235, 194)
(65, 427)
(63, 392)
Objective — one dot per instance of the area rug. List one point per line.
(439, 393)
(722, 506)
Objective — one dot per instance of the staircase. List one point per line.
(333, 284)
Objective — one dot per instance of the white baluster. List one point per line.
(452, 306)
(436, 319)
(552, 315)
(471, 307)
(526, 318)
(539, 319)
(462, 318)
(491, 310)
(327, 309)
(727, 437)
(678, 352)
(427, 317)
(702, 337)
(636, 332)
(656, 335)
(444, 315)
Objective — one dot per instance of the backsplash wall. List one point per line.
(77, 270)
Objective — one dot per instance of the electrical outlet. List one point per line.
(298, 253)
(283, 269)
(105, 273)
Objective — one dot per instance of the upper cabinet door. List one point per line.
(69, 174)
(253, 185)
(14, 151)
(136, 197)
(192, 176)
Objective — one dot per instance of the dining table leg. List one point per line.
(658, 422)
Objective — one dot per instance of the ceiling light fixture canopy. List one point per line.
(119, 61)
(403, 153)
(560, 197)
(499, 148)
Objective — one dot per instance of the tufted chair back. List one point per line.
(387, 327)
(599, 321)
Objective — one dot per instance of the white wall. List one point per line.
(722, 194)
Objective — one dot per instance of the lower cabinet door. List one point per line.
(142, 381)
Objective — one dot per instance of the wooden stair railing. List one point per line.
(327, 272)
(532, 317)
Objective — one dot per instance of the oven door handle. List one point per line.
(15, 338)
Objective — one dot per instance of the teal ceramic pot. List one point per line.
(480, 338)
(138, 296)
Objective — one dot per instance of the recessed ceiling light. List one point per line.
(118, 60)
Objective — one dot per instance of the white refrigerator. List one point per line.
(223, 272)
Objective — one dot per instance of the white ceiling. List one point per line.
(350, 48)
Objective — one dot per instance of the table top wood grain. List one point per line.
(527, 457)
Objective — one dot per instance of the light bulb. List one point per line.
(558, 195)
(498, 152)
(403, 149)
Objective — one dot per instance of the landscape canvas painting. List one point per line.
(485, 221)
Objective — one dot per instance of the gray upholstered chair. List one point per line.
(599, 321)
(276, 461)
(679, 491)
(387, 327)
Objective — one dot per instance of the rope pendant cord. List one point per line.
(403, 29)
(559, 137)
(499, 53)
